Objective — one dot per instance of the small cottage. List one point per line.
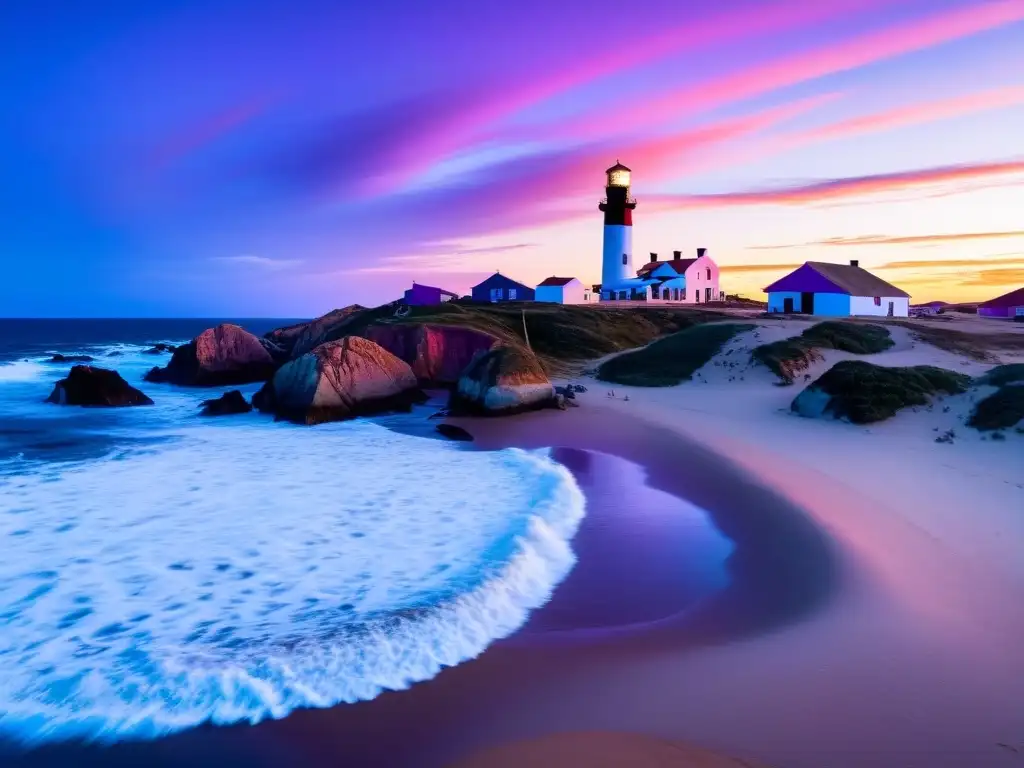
(686, 281)
(498, 288)
(836, 290)
(427, 295)
(1008, 305)
(563, 290)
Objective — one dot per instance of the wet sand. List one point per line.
(656, 584)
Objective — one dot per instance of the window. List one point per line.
(495, 294)
(625, 259)
(511, 294)
(709, 273)
(878, 301)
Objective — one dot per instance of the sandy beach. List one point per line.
(870, 612)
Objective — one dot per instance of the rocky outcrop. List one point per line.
(227, 404)
(453, 432)
(277, 353)
(299, 340)
(340, 380)
(438, 354)
(504, 380)
(159, 349)
(70, 359)
(219, 356)
(86, 385)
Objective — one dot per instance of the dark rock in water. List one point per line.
(227, 404)
(569, 392)
(86, 385)
(70, 359)
(864, 393)
(340, 380)
(453, 432)
(438, 354)
(441, 414)
(503, 381)
(115, 353)
(159, 349)
(219, 356)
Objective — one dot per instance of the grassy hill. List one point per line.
(562, 337)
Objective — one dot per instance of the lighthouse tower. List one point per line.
(617, 257)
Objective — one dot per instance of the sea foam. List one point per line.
(250, 568)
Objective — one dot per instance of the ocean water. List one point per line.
(163, 570)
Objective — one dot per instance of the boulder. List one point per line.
(277, 353)
(217, 357)
(70, 359)
(438, 354)
(299, 341)
(340, 380)
(229, 403)
(504, 380)
(86, 385)
(453, 432)
(159, 349)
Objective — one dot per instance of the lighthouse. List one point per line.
(617, 256)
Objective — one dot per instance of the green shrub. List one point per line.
(670, 360)
(1002, 409)
(864, 393)
(790, 357)
(1002, 375)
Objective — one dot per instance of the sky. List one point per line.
(279, 158)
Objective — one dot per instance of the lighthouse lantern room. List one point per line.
(617, 258)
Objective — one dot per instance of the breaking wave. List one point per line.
(243, 570)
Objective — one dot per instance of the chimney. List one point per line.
(654, 257)
(854, 263)
(677, 255)
(701, 252)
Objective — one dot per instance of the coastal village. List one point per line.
(816, 288)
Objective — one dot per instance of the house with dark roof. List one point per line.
(679, 280)
(497, 288)
(1008, 305)
(836, 290)
(426, 295)
(564, 290)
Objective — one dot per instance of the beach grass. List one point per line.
(982, 347)
(788, 358)
(863, 392)
(563, 337)
(1002, 409)
(1002, 375)
(672, 359)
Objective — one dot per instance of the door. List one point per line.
(807, 303)
(787, 306)
(891, 309)
(707, 295)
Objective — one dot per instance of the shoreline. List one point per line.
(433, 717)
(856, 638)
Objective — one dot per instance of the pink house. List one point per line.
(686, 281)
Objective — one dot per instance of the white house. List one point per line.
(679, 280)
(564, 290)
(836, 290)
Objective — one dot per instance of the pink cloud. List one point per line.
(914, 114)
(860, 51)
(195, 136)
(840, 189)
(501, 101)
